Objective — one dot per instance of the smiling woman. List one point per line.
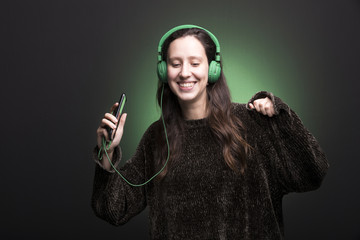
(229, 165)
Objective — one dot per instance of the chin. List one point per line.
(187, 98)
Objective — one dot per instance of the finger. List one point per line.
(268, 109)
(256, 105)
(261, 105)
(272, 109)
(105, 122)
(251, 105)
(120, 129)
(122, 121)
(263, 110)
(114, 107)
(101, 132)
(110, 117)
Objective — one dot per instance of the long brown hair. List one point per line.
(226, 127)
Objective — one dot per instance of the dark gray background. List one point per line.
(53, 54)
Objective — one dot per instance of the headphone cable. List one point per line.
(105, 148)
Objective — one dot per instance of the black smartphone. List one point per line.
(117, 113)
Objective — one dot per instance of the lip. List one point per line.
(186, 88)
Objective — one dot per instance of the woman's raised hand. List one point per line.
(263, 105)
(110, 121)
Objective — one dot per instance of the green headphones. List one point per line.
(214, 67)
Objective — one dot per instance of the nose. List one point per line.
(185, 71)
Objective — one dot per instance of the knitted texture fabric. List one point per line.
(201, 197)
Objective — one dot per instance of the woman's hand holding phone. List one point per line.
(114, 125)
(111, 122)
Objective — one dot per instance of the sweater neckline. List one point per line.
(196, 122)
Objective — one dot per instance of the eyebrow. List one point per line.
(191, 57)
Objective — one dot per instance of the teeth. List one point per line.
(186, 84)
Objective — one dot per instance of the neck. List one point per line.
(193, 111)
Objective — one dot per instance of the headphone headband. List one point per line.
(187, 26)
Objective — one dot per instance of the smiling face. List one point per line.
(187, 71)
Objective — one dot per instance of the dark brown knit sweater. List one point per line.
(201, 197)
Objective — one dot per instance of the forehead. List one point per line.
(186, 46)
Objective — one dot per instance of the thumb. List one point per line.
(251, 105)
(123, 119)
(120, 129)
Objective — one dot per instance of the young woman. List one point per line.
(230, 164)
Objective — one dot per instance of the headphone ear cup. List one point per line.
(162, 71)
(214, 71)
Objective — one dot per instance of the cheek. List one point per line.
(173, 86)
(202, 73)
(171, 73)
(171, 78)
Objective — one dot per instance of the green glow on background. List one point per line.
(253, 61)
(247, 67)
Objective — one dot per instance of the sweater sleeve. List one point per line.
(300, 163)
(114, 200)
